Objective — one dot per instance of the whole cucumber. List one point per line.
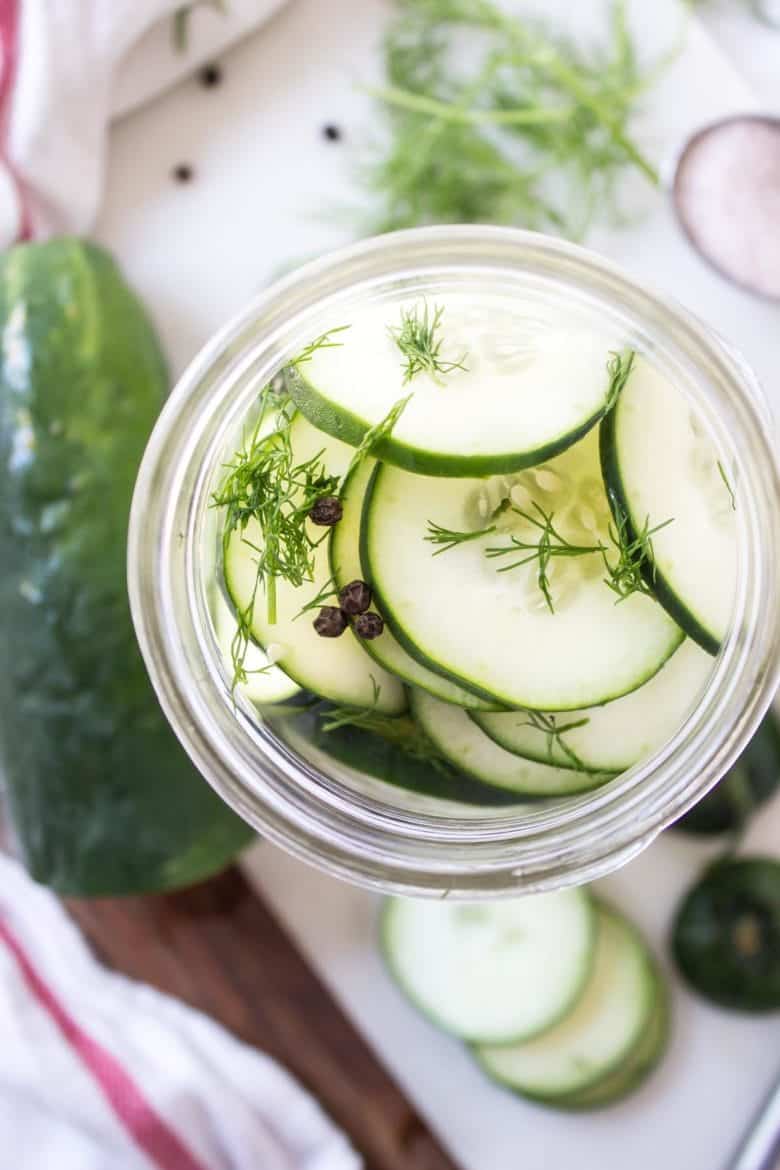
(102, 798)
(746, 786)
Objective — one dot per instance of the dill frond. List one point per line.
(525, 128)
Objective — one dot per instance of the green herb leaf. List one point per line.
(525, 128)
(329, 589)
(625, 572)
(324, 341)
(344, 715)
(729, 488)
(265, 484)
(628, 573)
(400, 730)
(619, 368)
(547, 724)
(419, 341)
(375, 434)
(447, 539)
(548, 545)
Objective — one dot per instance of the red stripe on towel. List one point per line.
(149, 1131)
(9, 56)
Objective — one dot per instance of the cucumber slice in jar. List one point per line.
(398, 761)
(513, 404)
(334, 668)
(603, 1028)
(726, 936)
(465, 745)
(492, 971)
(490, 630)
(612, 737)
(266, 684)
(660, 464)
(346, 566)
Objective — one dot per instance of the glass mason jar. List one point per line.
(347, 823)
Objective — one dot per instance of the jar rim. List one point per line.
(294, 803)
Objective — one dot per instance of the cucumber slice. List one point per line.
(491, 972)
(345, 565)
(634, 1070)
(659, 463)
(604, 1026)
(612, 737)
(266, 683)
(393, 762)
(335, 668)
(744, 788)
(532, 386)
(490, 630)
(463, 743)
(726, 936)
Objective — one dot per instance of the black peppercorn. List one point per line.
(331, 132)
(183, 173)
(326, 511)
(355, 598)
(368, 625)
(330, 622)
(210, 75)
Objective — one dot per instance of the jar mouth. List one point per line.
(363, 835)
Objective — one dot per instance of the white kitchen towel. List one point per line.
(65, 67)
(100, 1073)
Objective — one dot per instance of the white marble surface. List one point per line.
(267, 191)
(752, 46)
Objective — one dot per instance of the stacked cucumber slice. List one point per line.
(558, 994)
(485, 535)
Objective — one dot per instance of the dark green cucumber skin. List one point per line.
(734, 893)
(102, 798)
(342, 424)
(744, 788)
(367, 752)
(617, 496)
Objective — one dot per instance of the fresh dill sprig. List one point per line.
(266, 485)
(375, 434)
(628, 574)
(346, 715)
(729, 488)
(547, 724)
(549, 544)
(418, 340)
(625, 573)
(324, 341)
(526, 128)
(447, 539)
(180, 28)
(239, 645)
(619, 368)
(328, 590)
(399, 730)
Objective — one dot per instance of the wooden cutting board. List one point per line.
(218, 947)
